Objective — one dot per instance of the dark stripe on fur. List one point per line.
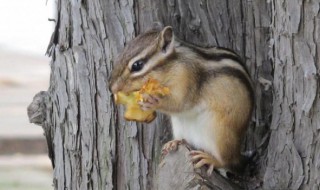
(218, 56)
(163, 65)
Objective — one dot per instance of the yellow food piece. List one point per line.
(133, 111)
(152, 87)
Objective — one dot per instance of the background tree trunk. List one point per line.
(92, 147)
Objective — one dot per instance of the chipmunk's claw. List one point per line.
(171, 146)
(150, 102)
(200, 158)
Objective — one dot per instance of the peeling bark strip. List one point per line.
(92, 147)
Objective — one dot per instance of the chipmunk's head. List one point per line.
(144, 57)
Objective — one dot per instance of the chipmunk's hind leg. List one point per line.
(200, 159)
(171, 146)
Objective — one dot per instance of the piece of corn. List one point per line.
(133, 111)
(152, 87)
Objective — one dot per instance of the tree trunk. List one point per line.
(92, 147)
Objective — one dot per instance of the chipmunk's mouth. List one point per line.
(122, 87)
(127, 91)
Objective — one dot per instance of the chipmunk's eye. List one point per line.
(137, 66)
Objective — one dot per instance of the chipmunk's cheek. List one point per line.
(129, 87)
(133, 86)
(125, 89)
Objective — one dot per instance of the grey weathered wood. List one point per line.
(176, 172)
(92, 147)
(37, 109)
(293, 152)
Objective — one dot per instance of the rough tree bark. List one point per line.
(92, 147)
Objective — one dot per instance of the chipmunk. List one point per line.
(211, 95)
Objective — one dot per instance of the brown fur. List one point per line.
(224, 95)
(194, 74)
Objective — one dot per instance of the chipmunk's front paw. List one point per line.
(150, 102)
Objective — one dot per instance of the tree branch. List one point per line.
(176, 171)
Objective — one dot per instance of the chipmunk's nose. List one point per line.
(116, 87)
(113, 88)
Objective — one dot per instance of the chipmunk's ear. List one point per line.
(166, 39)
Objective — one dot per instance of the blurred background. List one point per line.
(24, 70)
